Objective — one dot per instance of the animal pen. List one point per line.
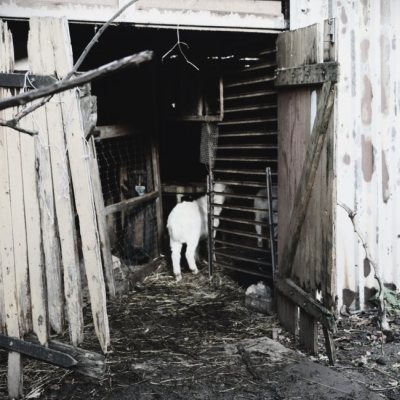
(253, 107)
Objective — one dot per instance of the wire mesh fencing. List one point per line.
(126, 173)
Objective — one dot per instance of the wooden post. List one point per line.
(6, 227)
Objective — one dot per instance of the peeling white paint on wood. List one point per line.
(367, 142)
(78, 155)
(224, 14)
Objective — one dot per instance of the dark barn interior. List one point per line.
(151, 125)
(165, 106)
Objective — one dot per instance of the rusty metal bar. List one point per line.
(258, 146)
(246, 95)
(241, 246)
(247, 134)
(241, 233)
(248, 121)
(241, 221)
(245, 270)
(239, 171)
(250, 260)
(246, 82)
(256, 107)
(246, 159)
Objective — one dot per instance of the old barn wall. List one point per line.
(203, 14)
(367, 141)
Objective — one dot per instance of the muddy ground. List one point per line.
(197, 340)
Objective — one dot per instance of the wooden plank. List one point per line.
(307, 74)
(304, 300)
(115, 131)
(14, 373)
(62, 193)
(34, 237)
(329, 345)
(130, 203)
(158, 188)
(308, 332)
(303, 193)
(78, 155)
(51, 244)
(287, 312)
(101, 222)
(19, 229)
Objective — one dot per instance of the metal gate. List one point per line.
(246, 150)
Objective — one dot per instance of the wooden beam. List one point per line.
(130, 203)
(114, 131)
(312, 307)
(184, 189)
(312, 74)
(304, 189)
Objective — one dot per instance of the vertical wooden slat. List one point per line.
(61, 189)
(157, 187)
(51, 244)
(34, 236)
(287, 312)
(78, 155)
(6, 232)
(101, 221)
(308, 332)
(19, 229)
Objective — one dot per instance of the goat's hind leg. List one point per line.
(191, 255)
(176, 248)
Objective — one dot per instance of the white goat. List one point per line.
(262, 216)
(188, 223)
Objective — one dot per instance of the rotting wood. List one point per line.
(114, 131)
(19, 230)
(308, 332)
(51, 244)
(157, 187)
(287, 311)
(7, 264)
(329, 345)
(81, 361)
(78, 155)
(34, 238)
(302, 299)
(101, 221)
(130, 203)
(62, 193)
(303, 193)
(313, 74)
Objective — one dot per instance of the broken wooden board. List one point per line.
(10, 293)
(79, 159)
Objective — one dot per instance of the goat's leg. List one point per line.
(258, 229)
(176, 248)
(191, 255)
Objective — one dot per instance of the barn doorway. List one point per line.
(151, 129)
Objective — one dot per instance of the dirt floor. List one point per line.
(197, 340)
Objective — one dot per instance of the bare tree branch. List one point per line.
(27, 110)
(60, 86)
(13, 125)
(381, 295)
(96, 37)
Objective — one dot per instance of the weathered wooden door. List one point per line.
(305, 79)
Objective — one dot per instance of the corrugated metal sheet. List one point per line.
(367, 137)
